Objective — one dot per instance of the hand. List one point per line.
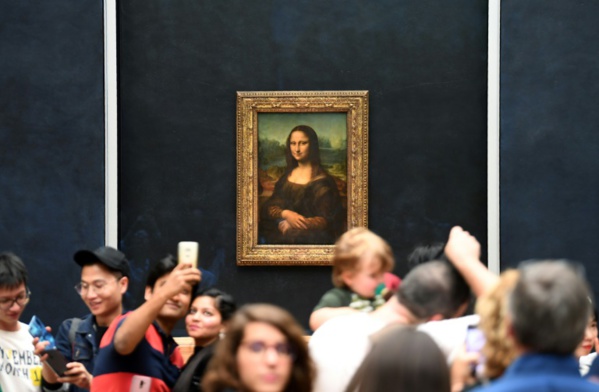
(284, 226)
(180, 279)
(77, 375)
(295, 220)
(461, 246)
(40, 347)
(461, 369)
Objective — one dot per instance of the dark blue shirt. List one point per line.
(541, 373)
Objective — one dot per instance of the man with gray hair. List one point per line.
(548, 313)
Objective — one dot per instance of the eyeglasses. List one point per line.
(21, 300)
(260, 348)
(97, 286)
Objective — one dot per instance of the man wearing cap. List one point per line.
(104, 279)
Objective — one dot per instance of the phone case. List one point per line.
(140, 384)
(56, 361)
(188, 252)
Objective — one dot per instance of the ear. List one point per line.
(148, 293)
(124, 283)
(436, 317)
(347, 277)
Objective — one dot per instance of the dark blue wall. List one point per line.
(549, 131)
(52, 140)
(181, 63)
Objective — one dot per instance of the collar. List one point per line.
(537, 363)
(167, 340)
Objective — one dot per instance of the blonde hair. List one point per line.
(499, 350)
(355, 244)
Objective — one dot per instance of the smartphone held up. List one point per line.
(188, 252)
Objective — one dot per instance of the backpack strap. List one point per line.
(73, 330)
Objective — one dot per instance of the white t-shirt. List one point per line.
(340, 345)
(449, 334)
(338, 348)
(20, 368)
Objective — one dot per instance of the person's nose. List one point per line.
(271, 356)
(90, 293)
(176, 298)
(14, 306)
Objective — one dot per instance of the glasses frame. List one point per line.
(15, 300)
(288, 353)
(79, 287)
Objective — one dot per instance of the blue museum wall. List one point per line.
(549, 138)
(52, 138)
(181, 64)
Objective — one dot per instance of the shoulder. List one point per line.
(337, 296)
(449, 334)
(352, 326)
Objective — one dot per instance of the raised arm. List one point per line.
(463, 250)
(134, 327)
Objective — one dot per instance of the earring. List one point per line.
(221, 335)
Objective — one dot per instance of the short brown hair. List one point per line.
(222, 371)
(355, 244)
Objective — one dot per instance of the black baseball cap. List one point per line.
(110, 257)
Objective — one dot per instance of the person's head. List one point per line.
(264, 350)
(360, 260)
(104, 280)
(208, 315)
(402, 359)
(176, 307)
(590, 334)
(499, 350)
(459, 289)
(302, 145)
(427, 292)
(14, 293)
(548, 308)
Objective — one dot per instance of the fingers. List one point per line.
(461, 245)
(77, 375)
(39, 348)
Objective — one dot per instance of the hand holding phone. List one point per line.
(55, 359)
(475, 340)
(37, 329)
(188, 252)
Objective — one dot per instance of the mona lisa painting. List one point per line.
(302, 165)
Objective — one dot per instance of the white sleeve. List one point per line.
(449, 334)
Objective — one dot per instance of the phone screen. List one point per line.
(475, 339)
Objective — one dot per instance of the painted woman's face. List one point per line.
(299, 143)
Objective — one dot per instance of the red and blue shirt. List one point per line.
(156, 361)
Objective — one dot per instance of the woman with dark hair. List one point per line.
(402, 359)
(207, 320)
(583, 351)
(305, 207)
(264, 351)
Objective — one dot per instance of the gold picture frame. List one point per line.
(265, 120)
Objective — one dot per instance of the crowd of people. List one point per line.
(533, 328)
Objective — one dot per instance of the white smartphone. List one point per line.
(188, 252)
